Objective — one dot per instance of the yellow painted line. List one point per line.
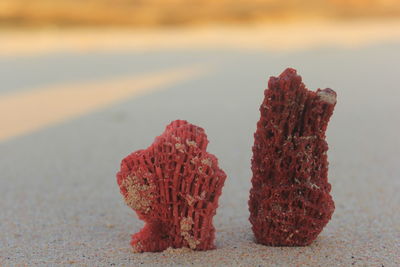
(28, 111)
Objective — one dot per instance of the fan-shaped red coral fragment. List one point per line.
(173, 186)
(289, 199)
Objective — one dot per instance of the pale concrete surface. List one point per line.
(60, 203)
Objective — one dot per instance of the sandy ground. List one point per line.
(59, 201)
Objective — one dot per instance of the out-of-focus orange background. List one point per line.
(183, 12)
(153, 29)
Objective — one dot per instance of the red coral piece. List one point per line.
(174, 186)
(289, 200)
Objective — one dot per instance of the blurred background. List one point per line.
(72, 43)
(83, 83)
(183, 12)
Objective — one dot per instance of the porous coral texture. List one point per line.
(289, 200)
(173, 186)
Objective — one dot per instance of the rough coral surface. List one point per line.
(289, 200)
(173, 186)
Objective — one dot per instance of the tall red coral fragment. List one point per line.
(289, 200)
(173, 186)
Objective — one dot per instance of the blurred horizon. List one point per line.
(154, 13)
